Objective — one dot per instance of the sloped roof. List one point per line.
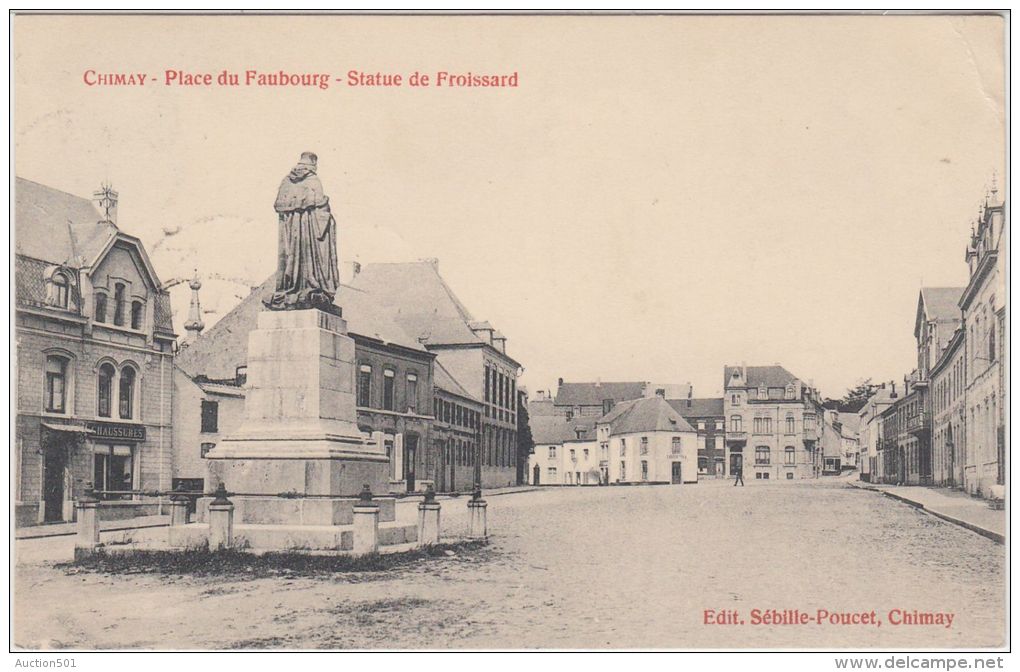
(423, 304)
(556, 429)
(542, 407)
(58, 227)
(851, 423)
(217, 353)
(698, 408)
(940, 304)
(758, 376)
(592, 394)
(442, 379)
(649, 414)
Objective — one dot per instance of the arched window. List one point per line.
(127, 393)
(55, 384)
(100, 315)
(137, 312)
(106, 376)
(118, 304)
(61, 290)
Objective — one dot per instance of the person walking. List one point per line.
(739, 474)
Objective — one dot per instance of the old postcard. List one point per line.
(510, 332)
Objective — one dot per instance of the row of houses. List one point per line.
(107, 395)
(945, 424)
(769, 425)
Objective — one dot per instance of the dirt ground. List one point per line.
(618, 567)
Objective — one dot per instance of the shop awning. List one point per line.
(70, 429)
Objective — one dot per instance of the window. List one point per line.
(365, 385)
(389, 378)
(789, 392)
(623, 447)
(789, 475)
(100, 315)
(488, 378)
(127, 393)
(412, 393)
(752, 393)
(114, 469)
(604, 451)
(210, 416)
(644, 470)
(56, 383)
(552, 474)
(735, 399)
(552, 452)
(676, 446)
(702, 464)
(809, 421)
(791, 455)
(710, 442)
(644, 445)
(791, 425)
(573, 455)
(775, 393)
(105, 402)
(585, 454)
(701, 425)
(136, 314)
(118, 304)
(719, 425)
(623, 471)
(761, 455)
(991, 344)
(60, 290)
(736, 423)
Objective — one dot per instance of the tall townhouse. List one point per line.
(949, 412)
(708, 418)
(773, 423)
(95, 349)
(870, 430)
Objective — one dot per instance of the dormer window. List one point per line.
(100, 314)
(118, 304)
(61, 290)
(137, 314)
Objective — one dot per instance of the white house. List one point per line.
(647, 441)
(565, 451)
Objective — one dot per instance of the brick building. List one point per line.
(472, 351)
(94, 346)
(708, 418)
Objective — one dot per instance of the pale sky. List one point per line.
(659, 197)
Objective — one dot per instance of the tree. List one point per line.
(525, 442)
(854, 399)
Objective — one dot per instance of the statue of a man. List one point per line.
(307, 274)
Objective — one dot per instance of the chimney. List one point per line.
(660, 392)
(893, 395)
(195, 325)
(560, 382)
(106, 200)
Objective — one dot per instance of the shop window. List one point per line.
(114, 469)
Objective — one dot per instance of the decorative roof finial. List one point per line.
(195, 325)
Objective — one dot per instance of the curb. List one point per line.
(984, 532)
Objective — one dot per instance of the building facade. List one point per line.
(949, 412)
(708, 418)
(647, 441)
(565, 452)
(95, 347)
(473, 352)
(870, 430)
(983, 304)
(773, 424)
(593, 400)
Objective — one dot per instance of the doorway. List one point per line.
(410, 453)
(736, 463)
(537, 475)
(677, 480)
(53, 482)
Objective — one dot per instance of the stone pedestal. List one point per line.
(178, 511)
(366, 529)
(87, 541)
(299, 433)
(221, 525)
(428, 523)
(477, 526)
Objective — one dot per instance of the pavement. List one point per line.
(949, 505)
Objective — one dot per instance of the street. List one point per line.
(615, 567)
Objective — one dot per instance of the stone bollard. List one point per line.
(478, 528)
(87, 541)
(221, 520)
(428, 519)
(366, 524)
(178, 509)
